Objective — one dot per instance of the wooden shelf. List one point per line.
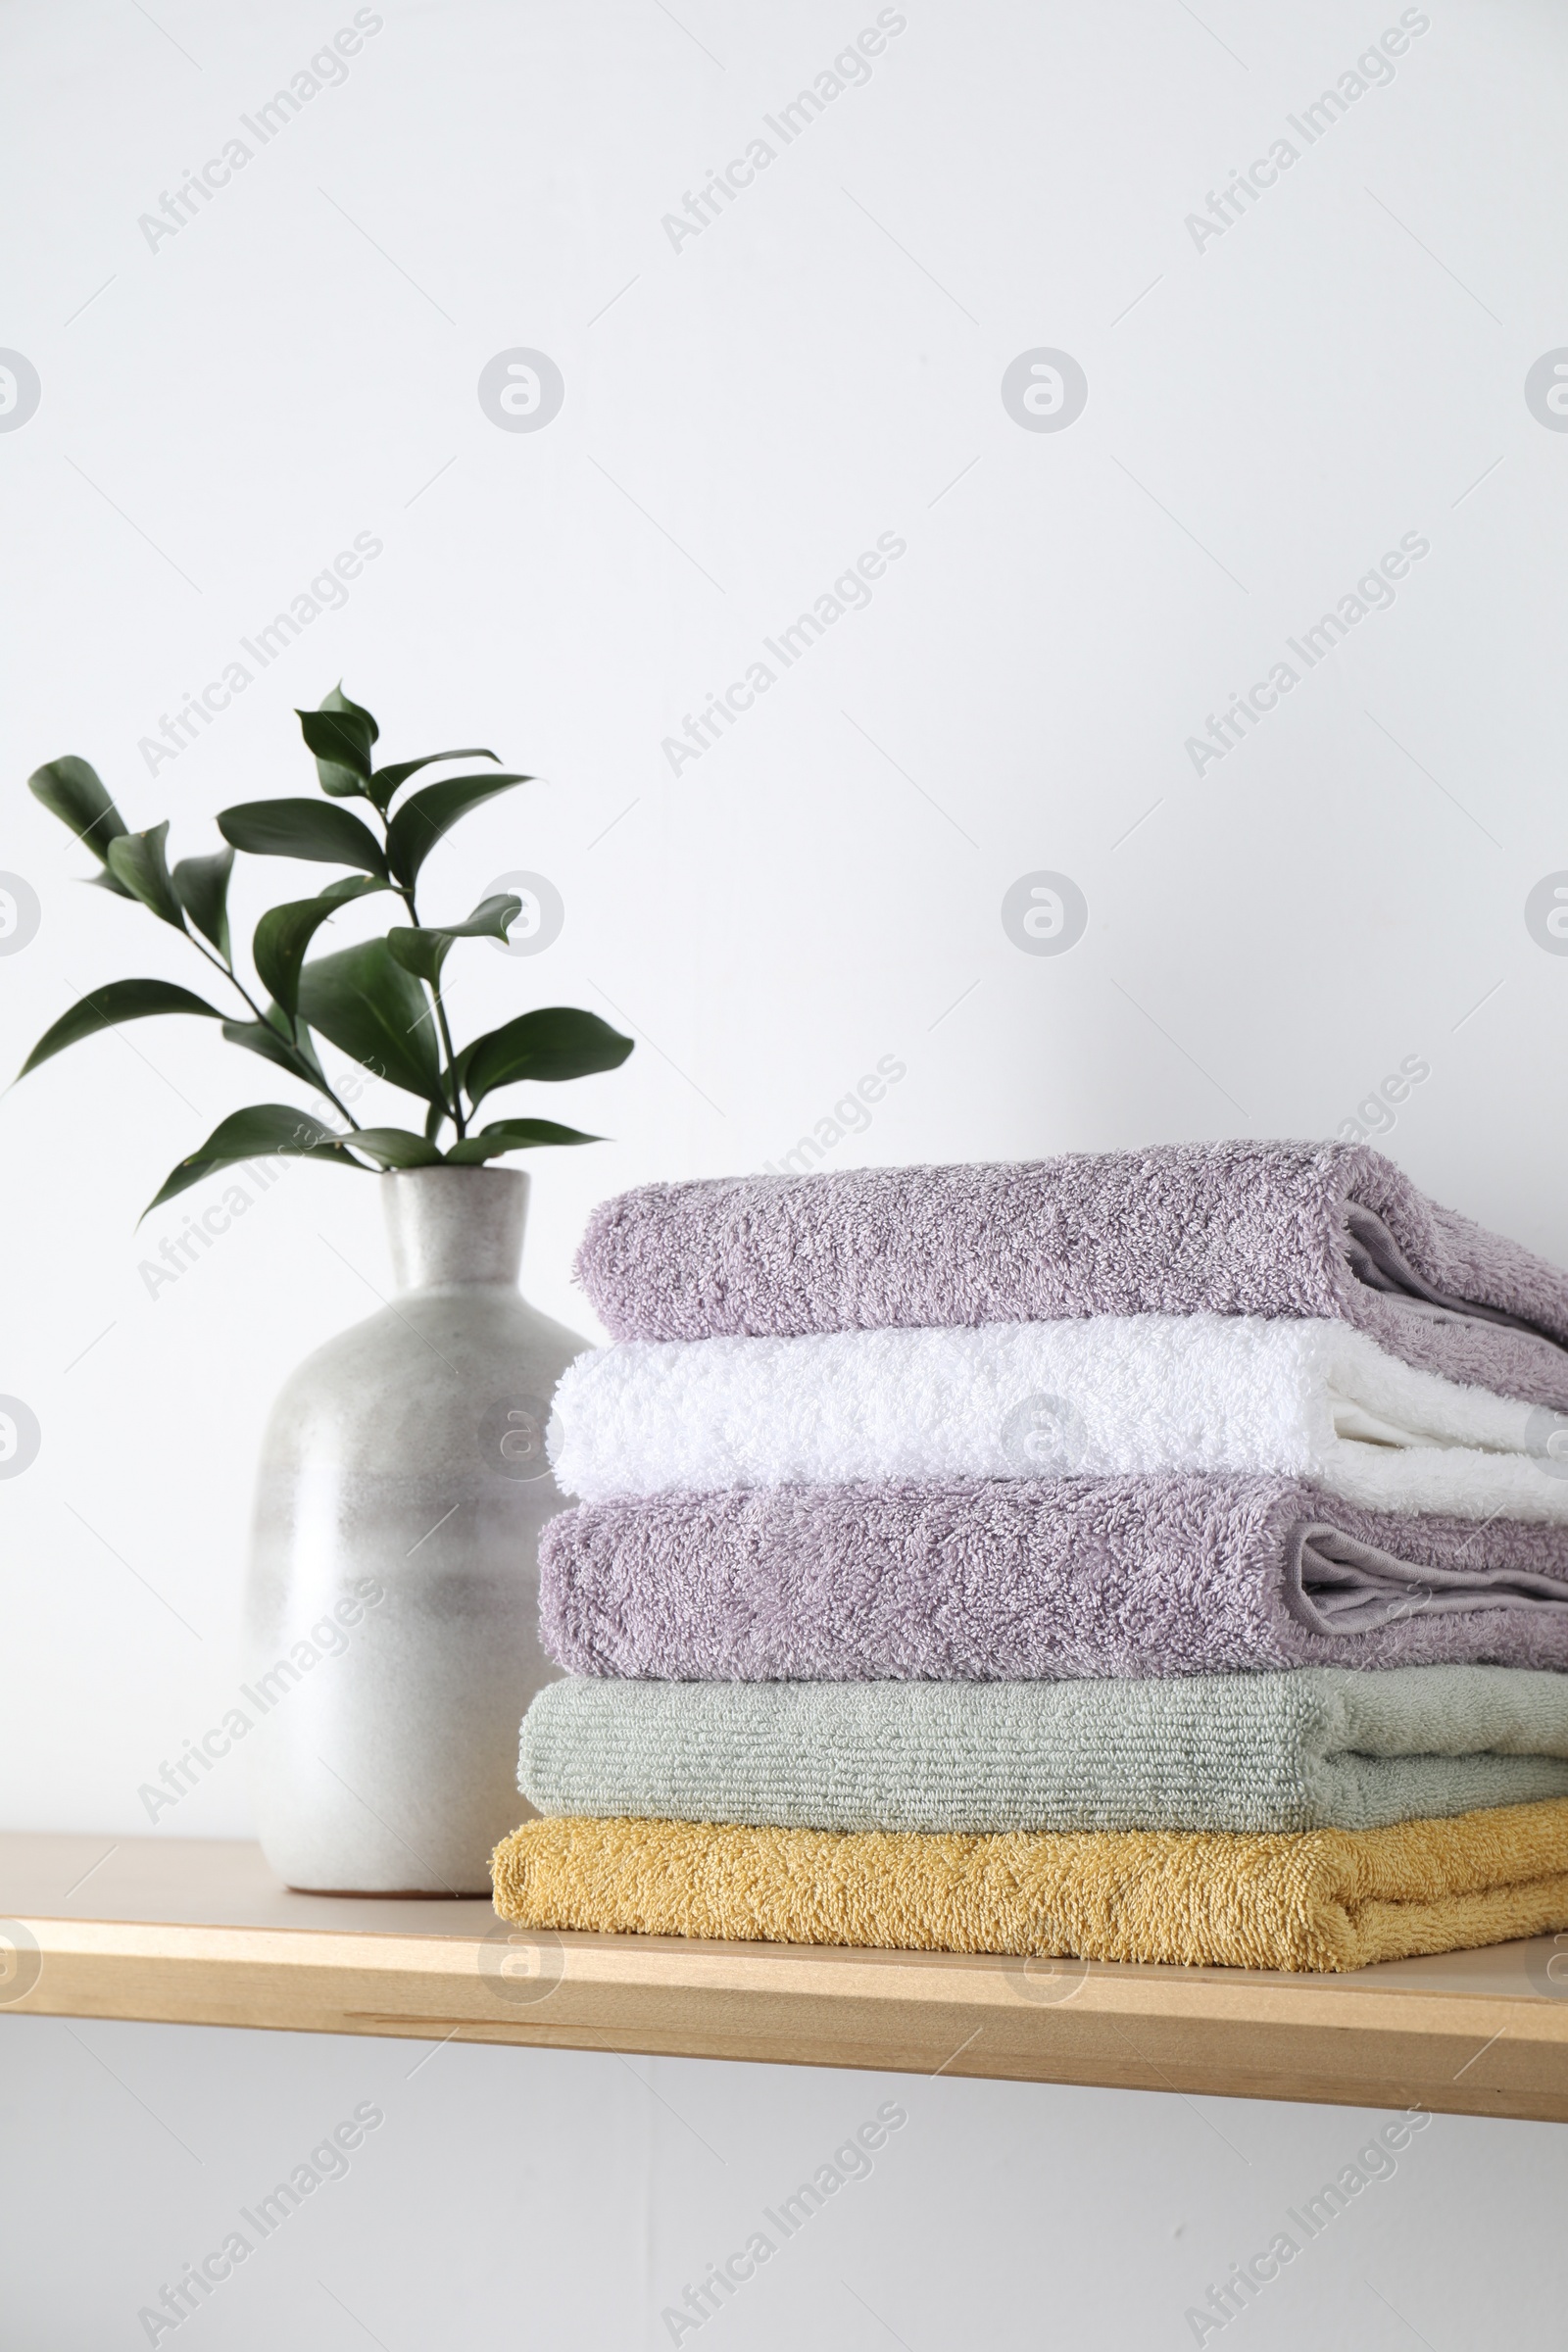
(200, 1932)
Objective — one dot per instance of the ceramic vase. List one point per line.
(392, 1613)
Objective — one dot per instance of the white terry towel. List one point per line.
(1095, 1397)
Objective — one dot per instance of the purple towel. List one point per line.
(1235, 1229)
(1020, 1580)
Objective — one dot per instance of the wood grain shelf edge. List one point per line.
(1197, 2032)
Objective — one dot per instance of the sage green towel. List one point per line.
(1322, 1748)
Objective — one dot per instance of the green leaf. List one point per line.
(201, 885)
(388, 780)
(265, 1131)
(433, 1118)
(513, 1135)
(558, 1042)
(376, 1012)
(424, 952)
(395, 1148)
(421, 953)
(120, 1001)
(340, 734)
(327, 834)
(284, 934)
(138, 860)
(71, 791)
(297, 1055)
(420, 822)
(337, 699)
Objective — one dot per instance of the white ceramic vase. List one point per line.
(392, 1618)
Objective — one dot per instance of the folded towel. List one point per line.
(1097, 1398)
(1235, 1228)
(1018, 1580)
(1316, 1749)
(1329, 1899)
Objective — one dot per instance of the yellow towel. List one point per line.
(1310, 1899)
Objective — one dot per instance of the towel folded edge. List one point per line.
(1323, 1902)
(1310, 1187)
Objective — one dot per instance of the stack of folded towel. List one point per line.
(1154, 1556)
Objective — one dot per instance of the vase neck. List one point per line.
(451, 1226)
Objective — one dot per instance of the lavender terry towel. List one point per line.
(1239, 1228)
(1023, 1580)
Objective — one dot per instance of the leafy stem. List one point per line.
(373, 1000)
(224, 965)
(450, 1073)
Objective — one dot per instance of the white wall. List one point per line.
(559, 2199)
(1267, 414)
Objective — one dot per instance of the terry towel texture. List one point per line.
(1093, 1397)
(1014, 1580)
(1316, 1749)
(1330, 1899)
(1244, 1228)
